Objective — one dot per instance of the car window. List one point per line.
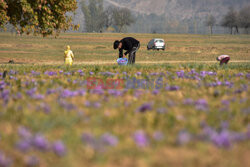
(160, 41)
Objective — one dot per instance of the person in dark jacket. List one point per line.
(131, 46)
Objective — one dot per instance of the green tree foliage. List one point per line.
(94, 15)
(38, 16)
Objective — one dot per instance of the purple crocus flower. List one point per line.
(188, 102)
(109, 139)
(239, 74)
(172, 88)
(140, 139)
(59, 148)
(24, 133)
(155, 92)
(24, 145)
(158, 136)
(90, 140)
(145, 107)
(201, 104)
(222, 139)
(32, 161)
(4, 160)
(40, 142)
(180, 74)
(183, 137)
(138, 73)
(31, 92)
(248, 75)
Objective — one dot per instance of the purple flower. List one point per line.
(201, 104)
(67, 106)
(158, 136)
(4, 160)
(155, 92)
(140, 139)
(109, 140)
(59, 148)
(188, 102)
(248, 75)
(115, 92)
(183, 137)
(239, 74)
(32, 161)
(88, 138)
(138, 73)
(24, 133)
(222, 139)
(97, 105)
(24, 145)
(50, 73)
(225, 102)
(180, 74)
(40, 142)
(172, 88)
(145, 107)
(38, 97)
(31, 92)
(91, 73)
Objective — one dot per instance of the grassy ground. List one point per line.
(92, 48)
(198, 116)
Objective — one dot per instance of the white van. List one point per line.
(156, 44)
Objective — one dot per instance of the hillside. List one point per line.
(179, 9)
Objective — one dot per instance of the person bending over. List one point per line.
(68, 56)
(224, 59)
(131, 46)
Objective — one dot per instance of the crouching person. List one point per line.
(223, 59)
(131, 46)
(68, 56)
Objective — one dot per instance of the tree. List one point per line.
(94, 15)
(230, 20)
(244, 18)
(122, 18)
(38, 16)
(108, 17)
(210, 22)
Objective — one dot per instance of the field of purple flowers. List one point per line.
(167, 115)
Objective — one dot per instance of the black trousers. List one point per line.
(132, 54)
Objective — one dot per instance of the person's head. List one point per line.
(117, 44)
(68, 47)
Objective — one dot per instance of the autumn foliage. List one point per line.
(44, 17)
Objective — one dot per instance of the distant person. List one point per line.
(224, 59)
(68, 56)
(131, 46)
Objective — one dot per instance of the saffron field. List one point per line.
(169, 114)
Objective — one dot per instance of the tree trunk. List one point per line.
(237, 30)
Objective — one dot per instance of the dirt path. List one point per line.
(139, 62)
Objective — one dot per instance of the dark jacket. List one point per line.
(127, 44)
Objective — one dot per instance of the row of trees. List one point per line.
(97, 19)
(232, 20)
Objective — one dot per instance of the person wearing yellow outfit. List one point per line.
(68, 56)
